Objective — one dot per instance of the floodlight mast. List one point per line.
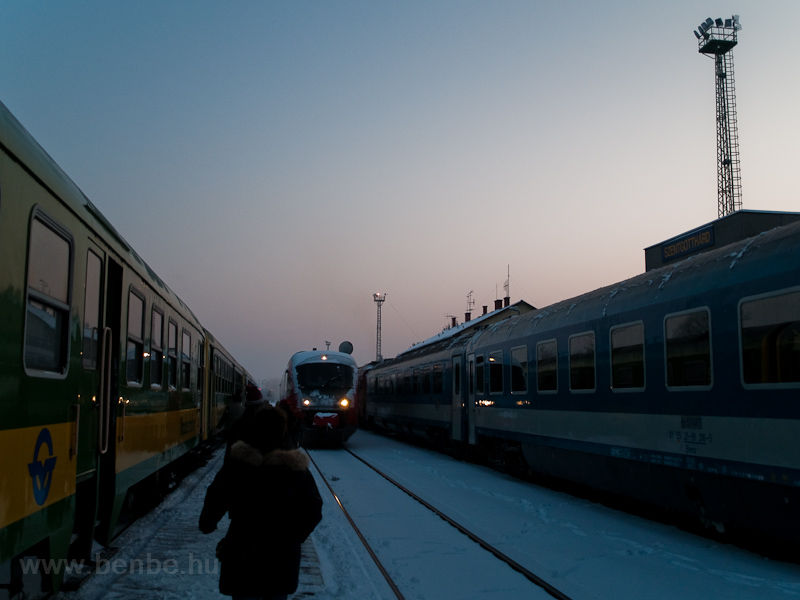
(717, 38)
(379, 299)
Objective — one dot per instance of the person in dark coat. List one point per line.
(274, 505)
(254, 402)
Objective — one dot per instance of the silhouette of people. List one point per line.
(274, 505)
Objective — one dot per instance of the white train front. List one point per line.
(319, 387)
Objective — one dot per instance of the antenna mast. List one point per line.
(717, 38)
(379, 299)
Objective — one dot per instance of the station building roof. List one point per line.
(729, 229)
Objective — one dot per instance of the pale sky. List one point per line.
(277, 163)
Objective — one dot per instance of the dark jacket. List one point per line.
(274, 505)
(243, 427)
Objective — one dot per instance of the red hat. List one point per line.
(253, 395)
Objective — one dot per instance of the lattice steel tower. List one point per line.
(379, 299)
(717, 38)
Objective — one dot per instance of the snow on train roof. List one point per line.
(452, 332)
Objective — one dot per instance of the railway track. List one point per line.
(533, 578)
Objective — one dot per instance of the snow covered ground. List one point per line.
(587, 550)
(584, 549)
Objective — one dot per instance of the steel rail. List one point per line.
(556, 593)
(383, 571)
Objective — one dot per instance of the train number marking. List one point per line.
(691, 437)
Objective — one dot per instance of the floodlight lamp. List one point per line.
(718, 22)
(697, 35)
(709, 22)
(728, 23)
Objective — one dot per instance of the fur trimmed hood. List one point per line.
(294, 460)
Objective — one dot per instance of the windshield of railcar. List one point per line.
(325, 378)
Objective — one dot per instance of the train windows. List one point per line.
(496, 372)
(687, 337)
(157, 348)
(546, 366)
(426, 380)
(224, 376)
(370, 384)
(393, 383)
(407, 383)
(236, 384)
(417, 380)
(172, 354)
(49, 297)
(456, 376)
(134, 355)
(770, 339)
(186, 360)
(480, 378)
(627, 357)
(91, 310)
(437, 379)
(330, 378)
(519, 370)
(581, 362)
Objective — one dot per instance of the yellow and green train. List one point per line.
(106, 376)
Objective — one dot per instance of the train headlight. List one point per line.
(344, 402)
(306, 402)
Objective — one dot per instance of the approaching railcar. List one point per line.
(677, 387)
(106, 376)
(319, 387)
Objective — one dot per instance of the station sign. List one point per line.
(688, 244)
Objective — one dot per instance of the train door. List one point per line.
(200, 387)
(84, 413)
(471, 398)
(92, 412)
(213, 378)
(457, 401)
(106, 407)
